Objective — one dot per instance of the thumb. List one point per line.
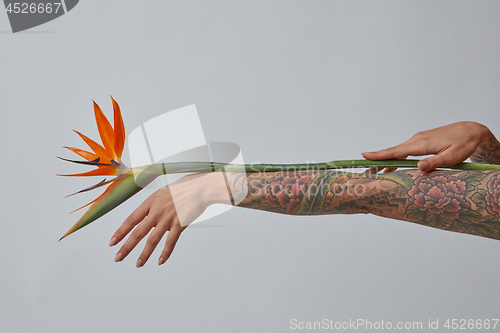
(437, 161)
(447, 157)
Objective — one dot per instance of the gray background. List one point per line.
(289, 81)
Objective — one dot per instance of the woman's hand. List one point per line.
(450, 144)
(192, 194)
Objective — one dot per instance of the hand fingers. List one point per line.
(136, 236)
(392, 153)
(372, 171)
(412, 147)
(172, 238)
(375, 170)
(135, 218)
(152, 242)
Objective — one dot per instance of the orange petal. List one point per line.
(83, 153)
(105, 131)
(97, 148)
(102, 171)
(119, 129)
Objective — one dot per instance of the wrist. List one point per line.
(215, 189)
(480, 133)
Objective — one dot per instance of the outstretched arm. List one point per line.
(460, 201)
(465, 201)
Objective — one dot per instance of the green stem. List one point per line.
(190, 167)
(407, 164)
(138, 178)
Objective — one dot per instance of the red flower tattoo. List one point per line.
(493, 195)
(287, 190)
(443, 195)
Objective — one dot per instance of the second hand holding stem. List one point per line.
(450, 144)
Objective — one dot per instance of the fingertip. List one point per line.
(139, 263)
(113, 241)
(164, 257)
(372, 171)
(367, 154)
(388, 170)
(423, 165)
(119, 257)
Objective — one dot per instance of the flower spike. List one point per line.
(107, 159)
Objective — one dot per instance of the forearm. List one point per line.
(465, 201)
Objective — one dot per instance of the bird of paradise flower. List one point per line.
(129, 181)
(107, 158)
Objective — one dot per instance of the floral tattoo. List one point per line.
(466, 201)
(493, 195)
(287, 190)
(489, 198)
(439, 194)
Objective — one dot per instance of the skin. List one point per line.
(459, 201)
(449, 144)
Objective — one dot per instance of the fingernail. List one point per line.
(423, 165)
(161, 261)
(118, 257)
(139, 263)
(364, 153)
(112, 242)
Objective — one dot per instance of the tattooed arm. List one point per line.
(460, 201)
